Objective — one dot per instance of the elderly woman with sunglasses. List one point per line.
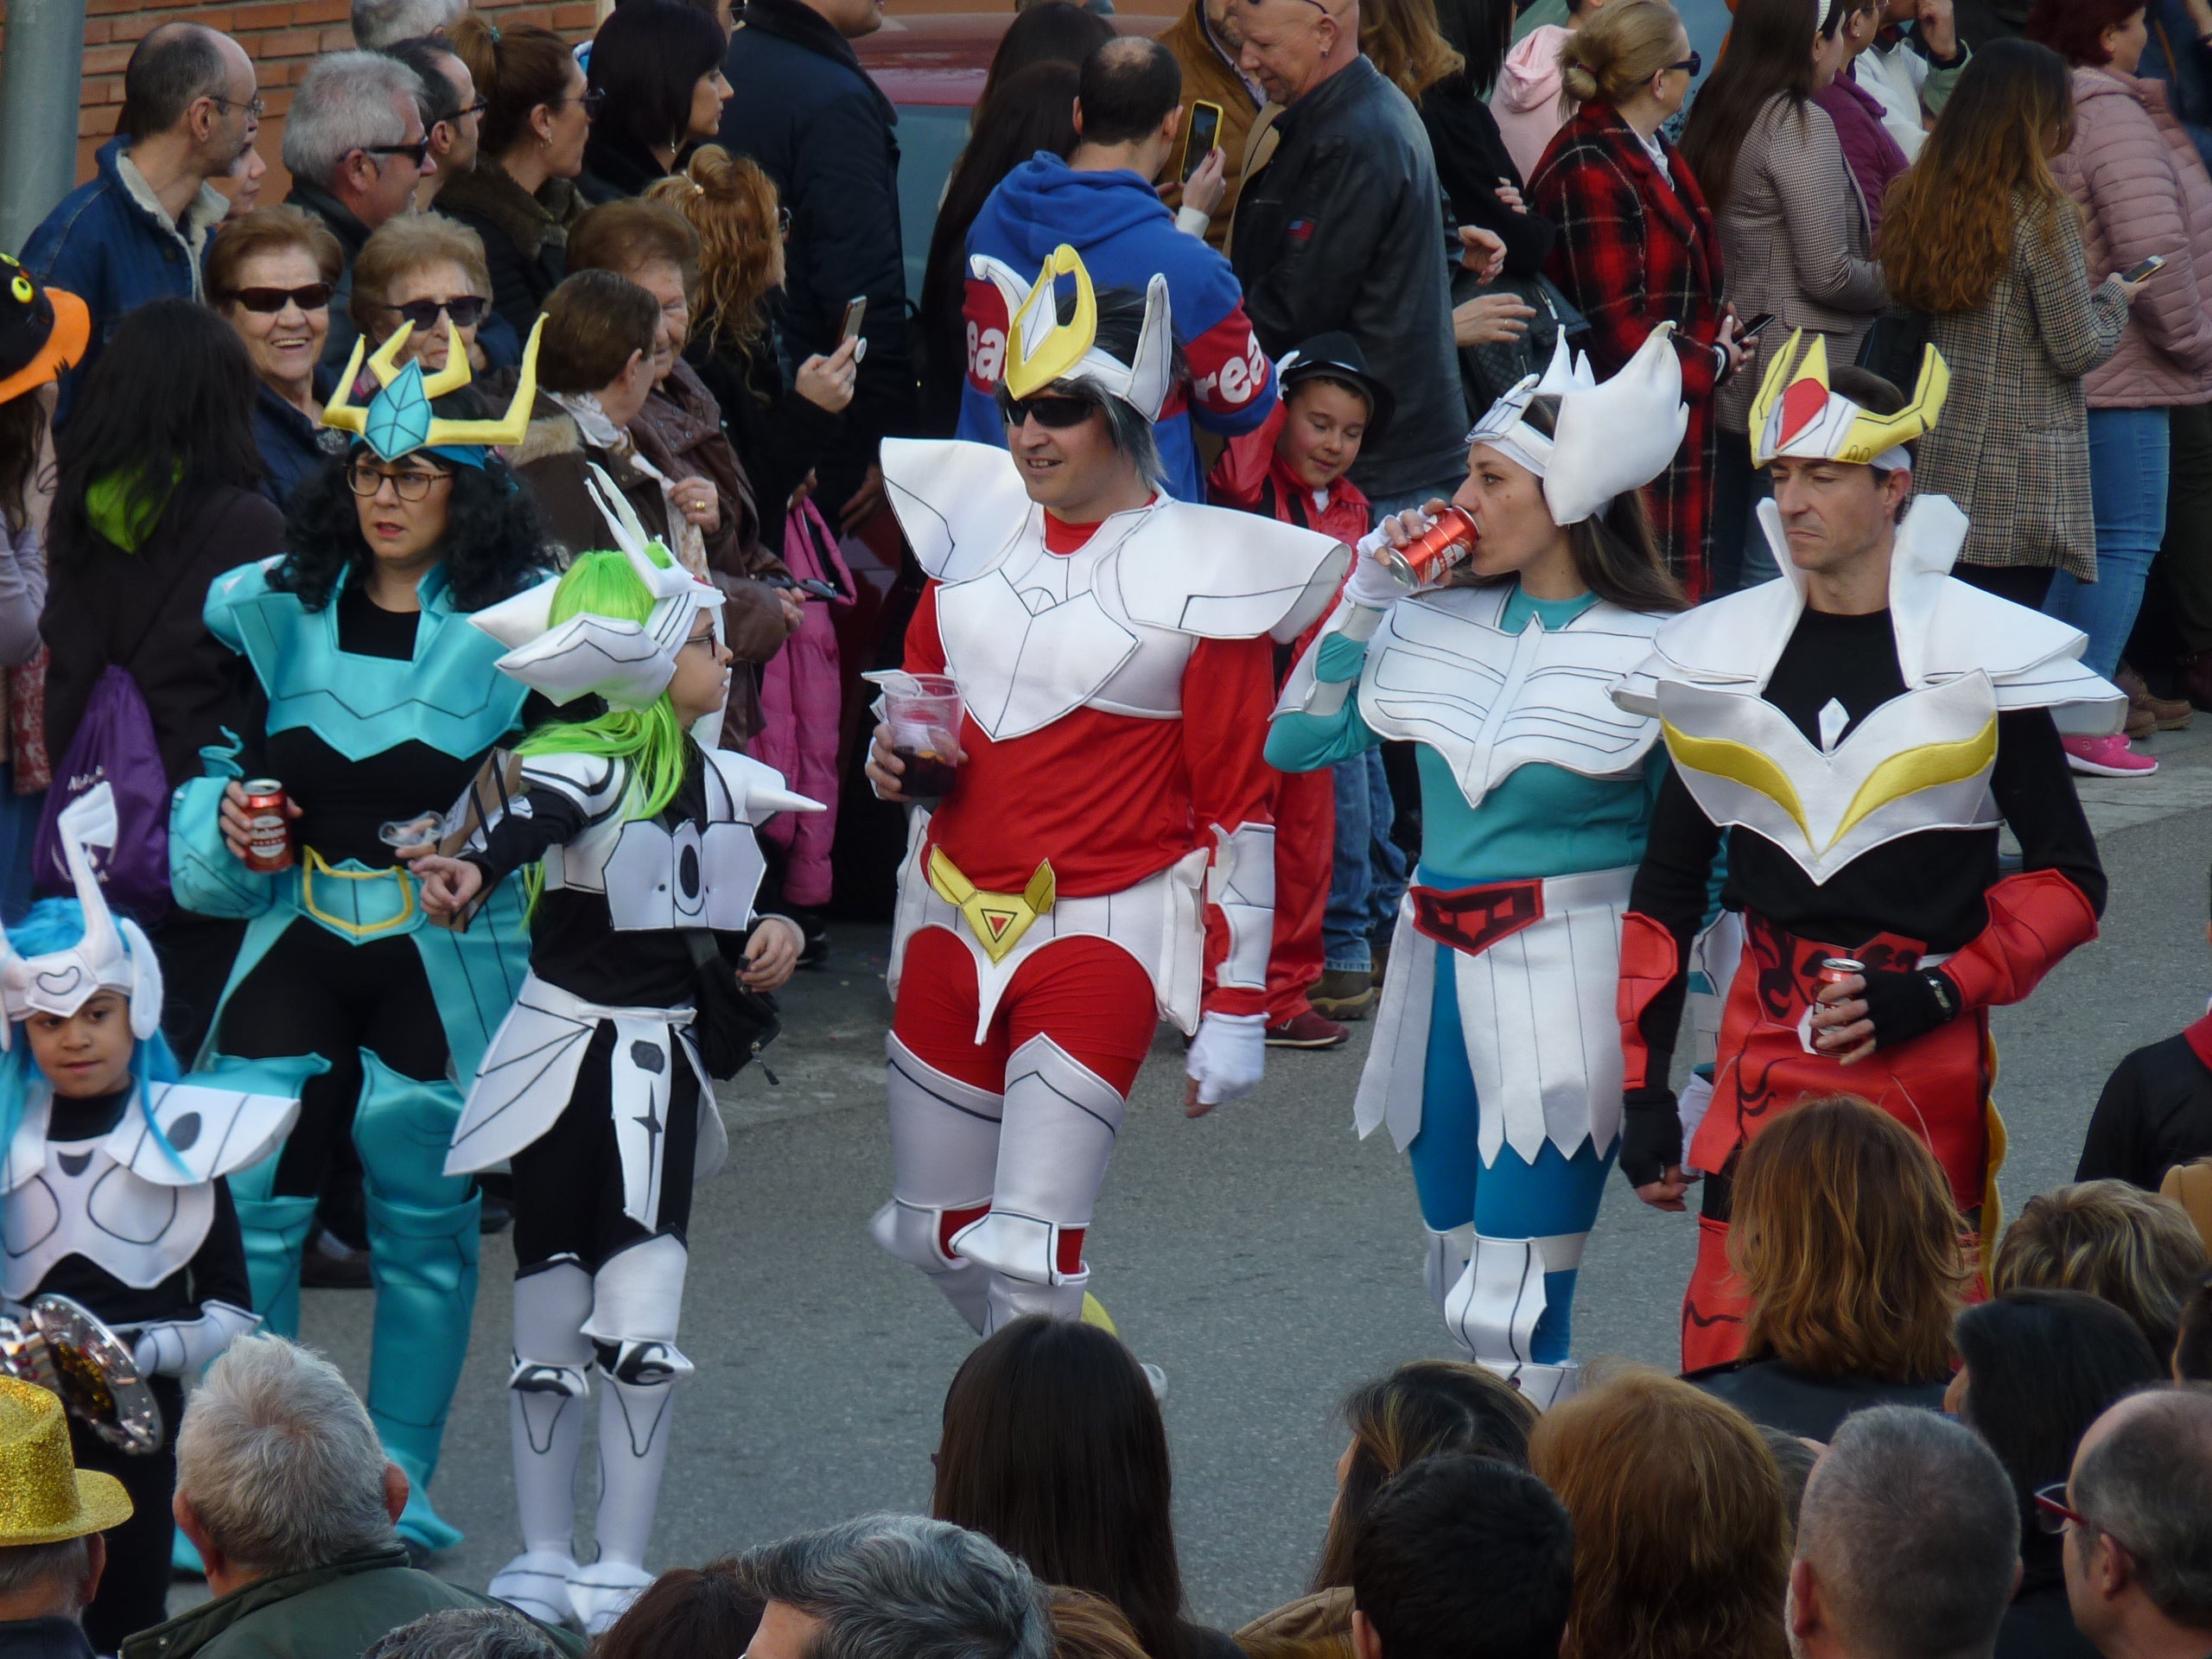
(270, 272)
(382, 704)
(420, 273)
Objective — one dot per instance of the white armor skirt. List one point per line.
(1538, 1009)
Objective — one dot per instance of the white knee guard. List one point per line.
(545, 1419)
(637, 1297)
(1060, 1121)
(1492, 1311)
(945, 1140)
(1444, 1259)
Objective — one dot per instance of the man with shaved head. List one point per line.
(2138, 1520)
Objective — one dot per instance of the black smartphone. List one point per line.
(1198, 138)
(2141, 268)
(1756, 326)
(818, 588)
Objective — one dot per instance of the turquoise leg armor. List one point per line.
(275, 1231)
(423, 1252)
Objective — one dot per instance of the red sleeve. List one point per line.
(2035, 918)
(1243, 468)
(1232, 383)
(983, 321)
(1228, 693)
(924, 650)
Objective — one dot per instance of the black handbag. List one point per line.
(1894, 347)
(730, 1023)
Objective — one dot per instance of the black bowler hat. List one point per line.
(1338, 357)
(42, 331)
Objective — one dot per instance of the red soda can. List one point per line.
(269, 831)
(1424, 561)
(1835, 969)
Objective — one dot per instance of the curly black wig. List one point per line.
(494, 543)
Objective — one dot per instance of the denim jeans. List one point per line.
(1368, 877)
(2129, 456)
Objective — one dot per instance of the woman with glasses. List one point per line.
(420, 273)
(521, 198)
(659, 66)
(376, 704)
(1637, 245)
(270, 273)
(2036, 1368)
(156, 498)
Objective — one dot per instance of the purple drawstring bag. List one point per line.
(114, 744)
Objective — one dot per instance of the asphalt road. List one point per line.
(1264, 1256)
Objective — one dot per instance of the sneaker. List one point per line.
(2106, 757)
(2165, 714)
(1343, 993)
(1308, 1030)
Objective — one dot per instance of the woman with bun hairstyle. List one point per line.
(521, 198)
(1637, 245)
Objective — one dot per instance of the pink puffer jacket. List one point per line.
(2143, 189)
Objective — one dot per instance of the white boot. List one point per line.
(1444, 1258)
(545, 1417)
(945, 1140)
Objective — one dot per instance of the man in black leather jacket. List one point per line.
(1343, 230)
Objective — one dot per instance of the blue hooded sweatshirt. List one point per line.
(1125, 233)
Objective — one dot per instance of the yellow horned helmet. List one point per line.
(399, 422)
(1796, 415)
(1041, 349)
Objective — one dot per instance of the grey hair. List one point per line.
(378, 23)
(1911, 1524)
(278, 1458)
(2144, 1483)
(1132, 435)
(347, 101)
(26, 1567)
(465, 1633)
(903, 1586)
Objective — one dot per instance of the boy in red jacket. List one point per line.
(1293, 467)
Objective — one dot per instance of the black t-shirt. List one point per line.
(216, 1272)
(2155, 1112)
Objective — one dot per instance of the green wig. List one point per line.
(649, 738)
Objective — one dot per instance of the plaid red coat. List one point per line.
(1632, 253)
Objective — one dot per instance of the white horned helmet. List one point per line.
(113, 955)
(1040, 349)
(628, 663)
(1608, 438)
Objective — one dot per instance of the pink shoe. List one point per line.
(2106, 757)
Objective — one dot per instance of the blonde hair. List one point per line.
(1847, 1240)
(1401, 39)
(2135, 1250)
(1087, 1626)
(405, 244)
(732, 205)
(1619, 48)
(1682, 1528)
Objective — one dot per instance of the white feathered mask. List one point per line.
(1609, 438)
(113, 956)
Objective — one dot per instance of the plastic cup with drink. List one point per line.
(923, 712)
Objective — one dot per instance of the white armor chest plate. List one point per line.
(1041, 634)
(84, 1202)
(654, 877)
(1439, 671)
(1920, 761)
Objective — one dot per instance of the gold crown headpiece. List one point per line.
(1796, 414)
(398, 419)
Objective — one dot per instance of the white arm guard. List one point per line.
(1228, 1055)
(1305, 694)
(180, 1347)
(1242, 881)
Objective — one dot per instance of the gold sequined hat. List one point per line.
(44, 1497)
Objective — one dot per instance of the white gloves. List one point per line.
(1372, 585)
(1691, 1106)
(180, 1347)
(1228, 1055)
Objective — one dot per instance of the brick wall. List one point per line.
(282, 35)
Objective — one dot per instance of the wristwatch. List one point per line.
(1947, 1000)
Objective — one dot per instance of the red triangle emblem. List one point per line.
(1802, 403)
(998, 921)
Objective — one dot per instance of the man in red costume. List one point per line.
(1105, 853)
(1859, 728)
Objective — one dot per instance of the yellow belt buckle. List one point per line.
(997, 919)
(315, 865)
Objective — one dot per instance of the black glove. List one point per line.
(1906, 1005)
(1651, 1135)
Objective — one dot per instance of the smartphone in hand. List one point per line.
(856, 313)
(1199, 136)
(1756, 326)
(2143, 267)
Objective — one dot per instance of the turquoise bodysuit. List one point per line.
(349, 966)
(1537, 790)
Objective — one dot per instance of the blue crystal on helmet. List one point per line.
(399, 416)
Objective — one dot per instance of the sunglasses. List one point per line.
(1054, 413)
(413, 485)
(418, 152)
(467, 310)
(1694, 64)
(267, 302)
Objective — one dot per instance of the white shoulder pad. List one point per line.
(960, 503)
(215, 1131)
(756, 789)
(593, 782)
(1222, 575)
(2033, 660)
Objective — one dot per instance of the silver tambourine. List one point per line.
(64, 1348)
